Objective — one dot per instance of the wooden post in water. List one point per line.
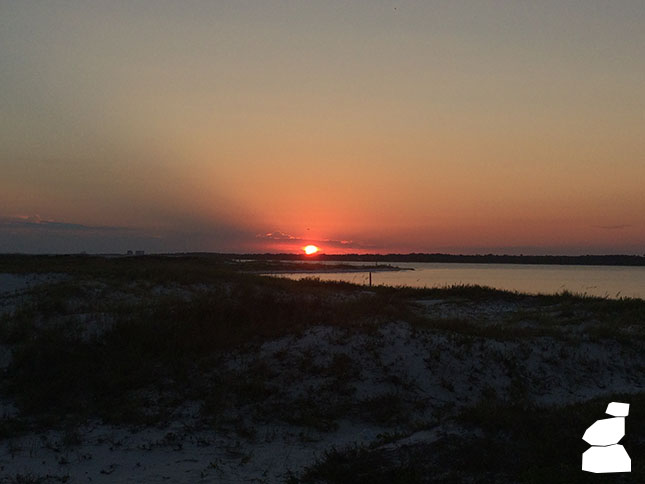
(370, 279)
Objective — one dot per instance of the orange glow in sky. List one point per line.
(253, 127)
(310, 249)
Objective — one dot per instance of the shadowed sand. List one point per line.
(154, 370)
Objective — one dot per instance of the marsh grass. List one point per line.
(167, 325)
(361, 465)
(161, 342)
(468, 327)
(167, 341)
(539, 444)
(507, 443)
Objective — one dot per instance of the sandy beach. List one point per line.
(361, 376)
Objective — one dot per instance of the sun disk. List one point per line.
(310, 249)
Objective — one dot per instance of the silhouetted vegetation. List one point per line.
(585, 260)
(128, 340)
(156, 340)
(506, 444)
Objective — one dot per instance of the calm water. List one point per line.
(611, 281)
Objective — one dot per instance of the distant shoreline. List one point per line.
(573, 260)
(577, 260)
(333, 271)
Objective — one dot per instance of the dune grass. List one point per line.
(506, 443)
(127, 340)
(162, 342)
(160, 339)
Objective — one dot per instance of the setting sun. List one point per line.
(310, 249)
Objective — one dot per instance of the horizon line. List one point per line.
(320, 254)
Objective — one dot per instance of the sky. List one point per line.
(358, 126)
